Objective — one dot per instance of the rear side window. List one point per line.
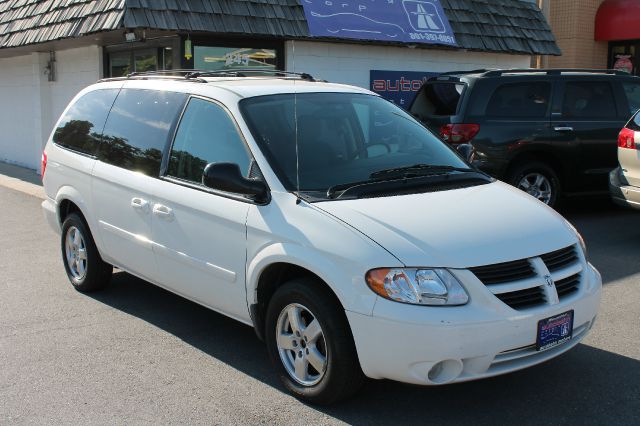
(206, 134)
(528, 99)
(632, 90)
(439, 98)
(81, 126)
(634, 123)
(138, 128)
(588, 100)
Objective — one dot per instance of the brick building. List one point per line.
(595, 33)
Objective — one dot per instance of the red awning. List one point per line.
(618, 20)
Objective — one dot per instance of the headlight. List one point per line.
(580, 239)
(417, 286)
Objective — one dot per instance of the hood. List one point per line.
(460, 228)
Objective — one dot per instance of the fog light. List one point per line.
(445, 371)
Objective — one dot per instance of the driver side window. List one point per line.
(206, 134)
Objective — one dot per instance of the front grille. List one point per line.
(523, 298)
(504, 272)
(567, 285)
(560, 258)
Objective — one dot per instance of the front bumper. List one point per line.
(622, 193)
(438, 345)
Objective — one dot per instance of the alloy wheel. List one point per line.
(536, 185)
(76, 253)
(301, 344)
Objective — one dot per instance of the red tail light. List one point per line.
(43, 164)
(459, 133)
(626, 139)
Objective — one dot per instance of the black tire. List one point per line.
(528, 170)
(343, 376)
(97, 273)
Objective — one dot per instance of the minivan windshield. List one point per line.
(343, 138)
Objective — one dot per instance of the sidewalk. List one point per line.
(21, 179)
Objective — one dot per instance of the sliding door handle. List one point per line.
(163, 211)
(140, 204)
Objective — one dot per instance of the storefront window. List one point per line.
(222, 58)
(146, 60)
(624, 56)
(123, 62)
(120, 64)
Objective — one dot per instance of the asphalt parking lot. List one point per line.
(137, 354)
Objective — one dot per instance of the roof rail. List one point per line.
(178, 74)
(551, 71)
(191, 74)
(242, 72)
(478, 71)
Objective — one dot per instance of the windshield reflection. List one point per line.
(341, 137)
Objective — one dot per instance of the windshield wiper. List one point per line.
(333, 190)
(419, 170)
(399, 175)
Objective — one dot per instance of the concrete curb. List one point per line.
(21, 179)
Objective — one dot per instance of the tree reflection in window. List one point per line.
(138, 127)
(80, 127)
(120, 152)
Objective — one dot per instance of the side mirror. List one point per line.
(465, 150)
(227, 177)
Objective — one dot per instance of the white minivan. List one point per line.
(624, 181)
(352, 239)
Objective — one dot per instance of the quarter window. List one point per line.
(520, 100)
(81, 126)
(588, 100)
(138, 128)
(632, 90)
(206, 134)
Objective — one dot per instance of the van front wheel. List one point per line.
(310, 343)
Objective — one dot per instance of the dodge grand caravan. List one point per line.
(323, 216)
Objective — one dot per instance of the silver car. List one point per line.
(624, 181)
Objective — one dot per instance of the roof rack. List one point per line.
(196, 74)
(243, 72)
(556, 71)
(478, 71)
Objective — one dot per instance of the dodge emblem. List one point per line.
(549, 280)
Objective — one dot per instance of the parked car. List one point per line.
(551, 133)
(624, 181)
(323, 216)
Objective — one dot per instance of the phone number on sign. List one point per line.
(433, 37)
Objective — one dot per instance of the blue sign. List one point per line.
(400, 87)
(408, 21)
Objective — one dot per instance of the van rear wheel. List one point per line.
(84, 266)
(310, 343)
(538, 180)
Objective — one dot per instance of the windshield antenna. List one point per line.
(295, 123)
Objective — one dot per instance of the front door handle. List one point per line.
(163, 211)
(563, 129)
(140, 204)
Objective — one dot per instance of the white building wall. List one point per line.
(30, 104)
(351, 63)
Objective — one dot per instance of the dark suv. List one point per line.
(547, 132)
